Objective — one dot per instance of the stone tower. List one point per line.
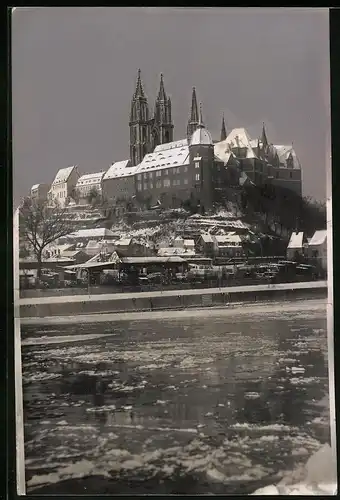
(139, 124)
(193, 118)
(162, 127)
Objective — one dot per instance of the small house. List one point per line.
(295, 249)
(317, 248)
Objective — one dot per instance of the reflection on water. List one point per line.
(178, 407)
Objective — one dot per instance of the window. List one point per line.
(158, 173)
(185, 168)
(166, 183)
(197, 164)
(185, 181)
(166, 172)
(145, 176)
(150, 175)
(139, 186)
(139, 177)
(145, 187)
(151, 185)
(197, 177)
(159, 184)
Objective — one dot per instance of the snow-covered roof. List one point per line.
(296, 240)
(207, 238)
(171, 145)
(162, 252)
(90, 179)
(98, 232)
(189, 243)
(120, 169)
(63, 174)
(228, 238)
(284, 152)
(35, 186)
(318, 238)
(239, 138)
(123, 242)
(201, 136)
(167, 158)
(72, 253)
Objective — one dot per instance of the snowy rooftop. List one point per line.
(90, 179)
(237, 138)
(228, 238)
(99, 232)
(63, 174)
(167, 158)
(36, 186)
(162, 252)
(284, 152)
(201, 136)
(171, 145)
(207, 238)
(296, 240)
(123, 242)
(120, 169)
(318, 238)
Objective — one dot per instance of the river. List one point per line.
(187, 404)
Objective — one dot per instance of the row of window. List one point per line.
(166, 183)
(158, 173)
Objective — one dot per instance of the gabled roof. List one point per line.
(207, 238)
(318, 238)
(284, 152)
(95, 178)
(120, 169)
(237, 138)
(296, 240)
(63, 174)
(167, 158)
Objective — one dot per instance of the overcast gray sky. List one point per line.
(74, 72)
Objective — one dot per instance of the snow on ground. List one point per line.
(317, 477)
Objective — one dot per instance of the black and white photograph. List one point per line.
(173, 278)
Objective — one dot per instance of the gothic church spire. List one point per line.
(194, 118)
(223, 130)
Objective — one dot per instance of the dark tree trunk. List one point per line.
(39, 264)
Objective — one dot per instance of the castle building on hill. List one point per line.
(168, 172)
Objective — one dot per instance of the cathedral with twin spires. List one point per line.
(153, 153)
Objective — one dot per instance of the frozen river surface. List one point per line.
(221, 404)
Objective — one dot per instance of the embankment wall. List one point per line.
(176, 299)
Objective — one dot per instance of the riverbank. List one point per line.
(170, 299)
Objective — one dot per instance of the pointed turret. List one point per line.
(201, 135)
(264, 137)
(161, 92)
(194, 118)
(194, 111)
(223, 130)
(139, 87)
(200, 120)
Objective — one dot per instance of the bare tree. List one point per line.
(94, 197)
(40, 224)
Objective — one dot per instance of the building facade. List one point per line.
(39, 192)
(89, 184)
(62, 188)
(119, 183)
